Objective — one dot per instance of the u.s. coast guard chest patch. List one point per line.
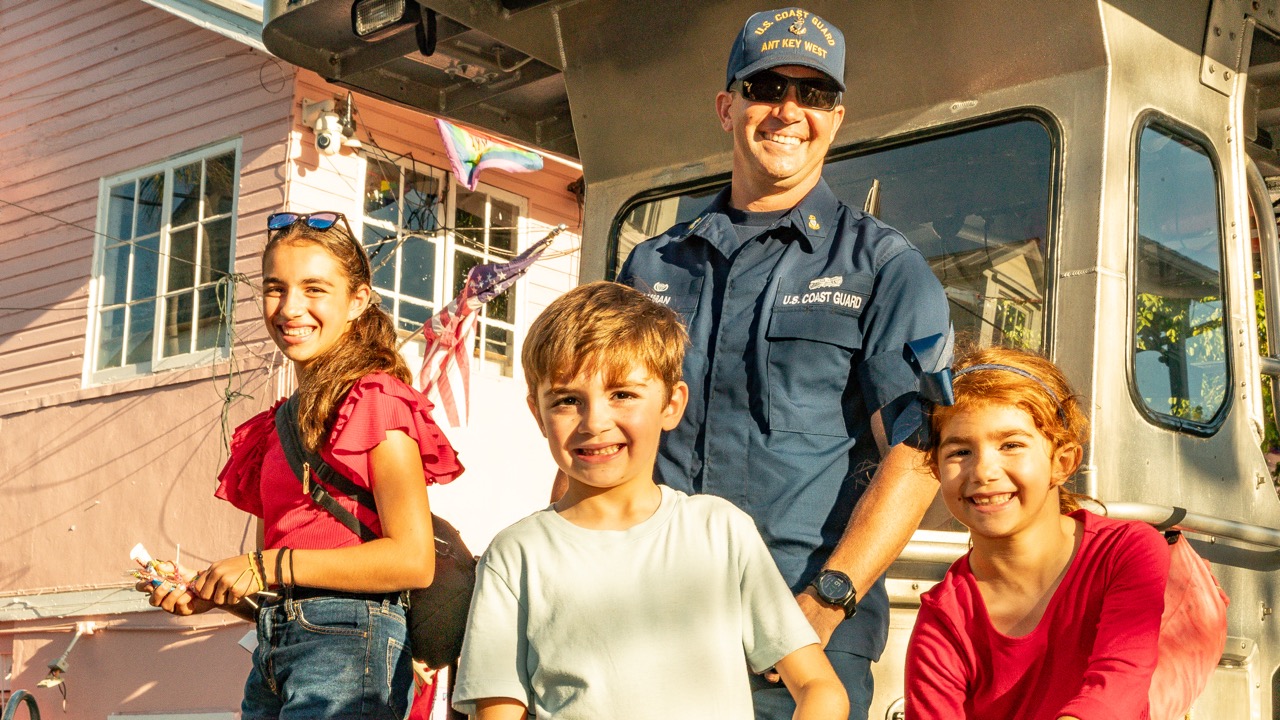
(845, 293)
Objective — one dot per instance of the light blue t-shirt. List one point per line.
(662, 620)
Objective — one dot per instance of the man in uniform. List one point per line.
(800, 310)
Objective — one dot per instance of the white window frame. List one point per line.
(97, 285)
(446, 248)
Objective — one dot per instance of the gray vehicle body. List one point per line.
(640, 78)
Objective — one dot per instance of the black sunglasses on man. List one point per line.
(768, 86)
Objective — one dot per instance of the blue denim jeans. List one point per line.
(773, 700)
(330, 657)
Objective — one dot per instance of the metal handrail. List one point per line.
(1164, 516)
(19, 697)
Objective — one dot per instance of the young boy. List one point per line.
(626, 599)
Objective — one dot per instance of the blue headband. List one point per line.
(1062, 413)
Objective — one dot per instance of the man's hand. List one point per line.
(823, 617)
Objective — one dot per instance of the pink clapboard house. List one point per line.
(145, 144)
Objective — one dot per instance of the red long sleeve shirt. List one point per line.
(1091, 656)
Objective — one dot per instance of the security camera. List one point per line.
(332, 132)
(328, 133)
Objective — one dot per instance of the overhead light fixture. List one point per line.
(372, 19)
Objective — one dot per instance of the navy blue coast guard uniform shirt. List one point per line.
(796, 338)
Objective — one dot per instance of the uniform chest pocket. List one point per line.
(812, 386)
(679, 295)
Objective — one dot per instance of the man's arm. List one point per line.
(879, 528)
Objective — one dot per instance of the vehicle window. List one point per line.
(976, 203)
(1179, 342)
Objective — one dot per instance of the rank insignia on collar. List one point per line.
(813, 223)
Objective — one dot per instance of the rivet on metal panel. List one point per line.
(1217, 31)
(1259, 479)
(1226, 74)
(1265, 610)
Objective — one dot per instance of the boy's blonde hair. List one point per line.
(1052, 405)
(603, 327)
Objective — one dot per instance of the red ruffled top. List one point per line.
(258, 479)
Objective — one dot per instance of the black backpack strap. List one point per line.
(305, 464)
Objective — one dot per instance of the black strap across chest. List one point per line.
(309, 467)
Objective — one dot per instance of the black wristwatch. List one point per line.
(835, 588)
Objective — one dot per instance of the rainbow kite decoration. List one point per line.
(469, 154)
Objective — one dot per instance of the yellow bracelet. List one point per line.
(253, 568)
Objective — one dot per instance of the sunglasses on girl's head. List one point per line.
(277, 222)
(315, 221)
(767, 86)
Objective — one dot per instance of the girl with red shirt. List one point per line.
(332, 640)
(1055, 611)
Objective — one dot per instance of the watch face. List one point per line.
(834, 587)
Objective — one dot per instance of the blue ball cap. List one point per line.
(791, 36)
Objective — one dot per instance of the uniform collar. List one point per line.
(811, 219)
(816, 215)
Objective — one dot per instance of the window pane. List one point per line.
(212, 321)
(382, 191)
(1179, 337)
(142, 319)
(156, 284)
(177, 324)
(418, 268)
(502, 223)
(216, 250)
(381, 256)
(115, 269)
(469, 218)
(110, 338)
(421, 203)
(412, 316)
(462, 264)
(976, 203)
(150, 204)
(653, 218)
(146, 264)
(498, 347)
(182, 259)
(503, 306)
(219, 184)
(186, 194)
(120, 212)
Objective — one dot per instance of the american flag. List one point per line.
(445, 377)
